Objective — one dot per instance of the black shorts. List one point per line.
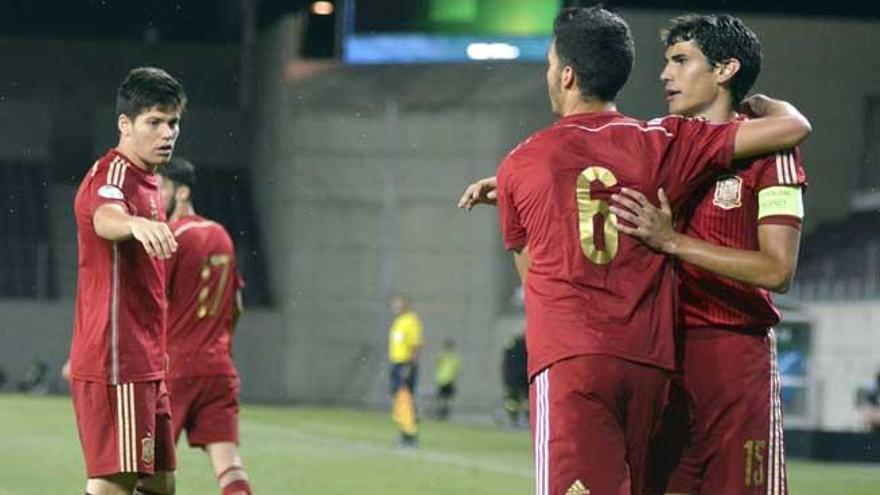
(400, 379)
(446, 391)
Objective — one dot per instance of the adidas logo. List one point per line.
(577, 488)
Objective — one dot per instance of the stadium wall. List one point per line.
(846, 355)
(57, 99)
(32, 332)
(358, 169)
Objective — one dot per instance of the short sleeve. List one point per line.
(106, 186)
(781, 188)
(513, 233)
(784, 168)
(698, 150)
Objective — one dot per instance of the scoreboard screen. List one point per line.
(420, 31)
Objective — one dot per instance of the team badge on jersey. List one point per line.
(728, 192)
(148, 449)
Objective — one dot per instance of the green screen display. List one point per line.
(500, 17)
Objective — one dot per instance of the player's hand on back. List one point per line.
(156, 237)
(480, 192)
(651, 225)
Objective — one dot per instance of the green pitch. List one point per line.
(291, 450)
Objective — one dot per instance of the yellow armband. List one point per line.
(781, 200)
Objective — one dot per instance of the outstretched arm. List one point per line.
(112, 223)
(772, 267)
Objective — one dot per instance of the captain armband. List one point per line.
(781, 201)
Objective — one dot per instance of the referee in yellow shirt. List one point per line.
(404, 344)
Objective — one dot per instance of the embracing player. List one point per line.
(117, 357)
(204, 303)
(600, 308)
(723, 430)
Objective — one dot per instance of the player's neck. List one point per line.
(588, 106)
(131, 156)
(720, 110)
(182, 210)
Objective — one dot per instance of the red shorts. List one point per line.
(124, 428)
(592, 419)
(722, 432)
(207, 408)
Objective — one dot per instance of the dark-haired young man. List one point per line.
(117, 357)
(204, 303)
(723, 430)
(600, 308)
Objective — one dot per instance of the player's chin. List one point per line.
(161, 158)
(677, 107)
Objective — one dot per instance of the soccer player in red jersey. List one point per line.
(723, 430)
(600, 308)
(117, 357)
(204, 303)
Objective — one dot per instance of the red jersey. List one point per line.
(202, 282)
(119, 322)
(590, 290)
(727, 215)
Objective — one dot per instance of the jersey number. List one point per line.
(208, 305)
(595, 211)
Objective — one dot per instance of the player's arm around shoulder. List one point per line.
(778, 125)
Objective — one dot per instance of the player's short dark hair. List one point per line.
(599, 46)
(181, 172)
(720, 37)
(148, 87)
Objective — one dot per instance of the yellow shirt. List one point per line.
(405, 336)
(448, 368)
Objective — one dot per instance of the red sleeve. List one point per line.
(784, 168)
(512, 232)
(789, 220)
(106, 186)
(698, 150)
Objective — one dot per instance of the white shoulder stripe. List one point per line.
(121, 181)
(193, 225)
(778, 168)
(647, 128)
(110, 170)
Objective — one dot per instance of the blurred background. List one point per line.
(333, 139)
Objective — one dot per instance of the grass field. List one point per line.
(313, 451)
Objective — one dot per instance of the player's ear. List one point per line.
(567, 77)
(123, 123)
(726, 70)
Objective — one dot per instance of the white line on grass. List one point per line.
(422, 454)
